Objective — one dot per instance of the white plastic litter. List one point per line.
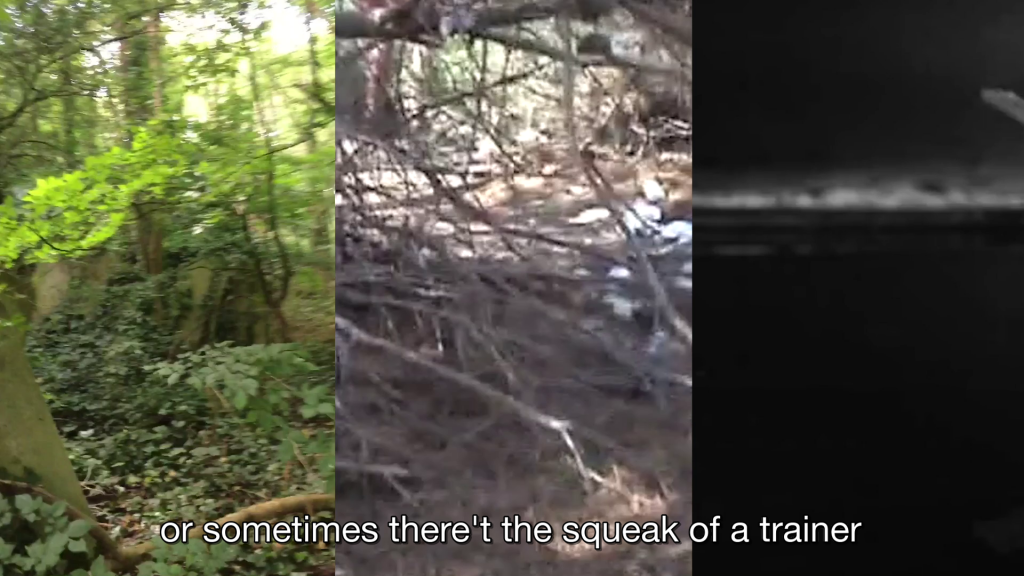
(668, 245)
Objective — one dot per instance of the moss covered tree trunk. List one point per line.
(321, 211)
(142, 99)
(31, 449)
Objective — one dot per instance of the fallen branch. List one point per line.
(123, 559)
(265, 511)
(560, 426)
(107, 547)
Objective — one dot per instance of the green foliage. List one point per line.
(157, 443)
(91, 159)
(81, 210)
(193, 558)
(76, 348)
(253, 381)
(153, 441)
(38, 538)
(134, 417)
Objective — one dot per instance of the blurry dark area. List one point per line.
(878, 384)
(863, 363)
(840, 85)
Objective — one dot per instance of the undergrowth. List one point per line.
(156, 439)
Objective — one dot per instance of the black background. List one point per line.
(875, 387)
(838, 83)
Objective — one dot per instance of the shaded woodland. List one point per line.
(165, 271)
(513, 280)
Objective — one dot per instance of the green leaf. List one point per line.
(286, 452)
(99, 567)
(240, 400)
(78, 546)
(58, 509)
(26, 503)
(6, 551)
(79, 528)
(55, 545)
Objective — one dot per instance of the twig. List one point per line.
(600, 185)
(560, 426)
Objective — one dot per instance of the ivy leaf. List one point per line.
(99, 567)
(78, 546)
(26, 504)
(79, 528)
(6, 551)
(59, 508)
(55, 545)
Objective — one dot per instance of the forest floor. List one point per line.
(149, 452)
(455, 457)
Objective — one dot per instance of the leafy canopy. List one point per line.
(78, 211)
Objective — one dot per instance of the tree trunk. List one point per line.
(321, 211)
(155, 68)
(150, 226)
(31, 449)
